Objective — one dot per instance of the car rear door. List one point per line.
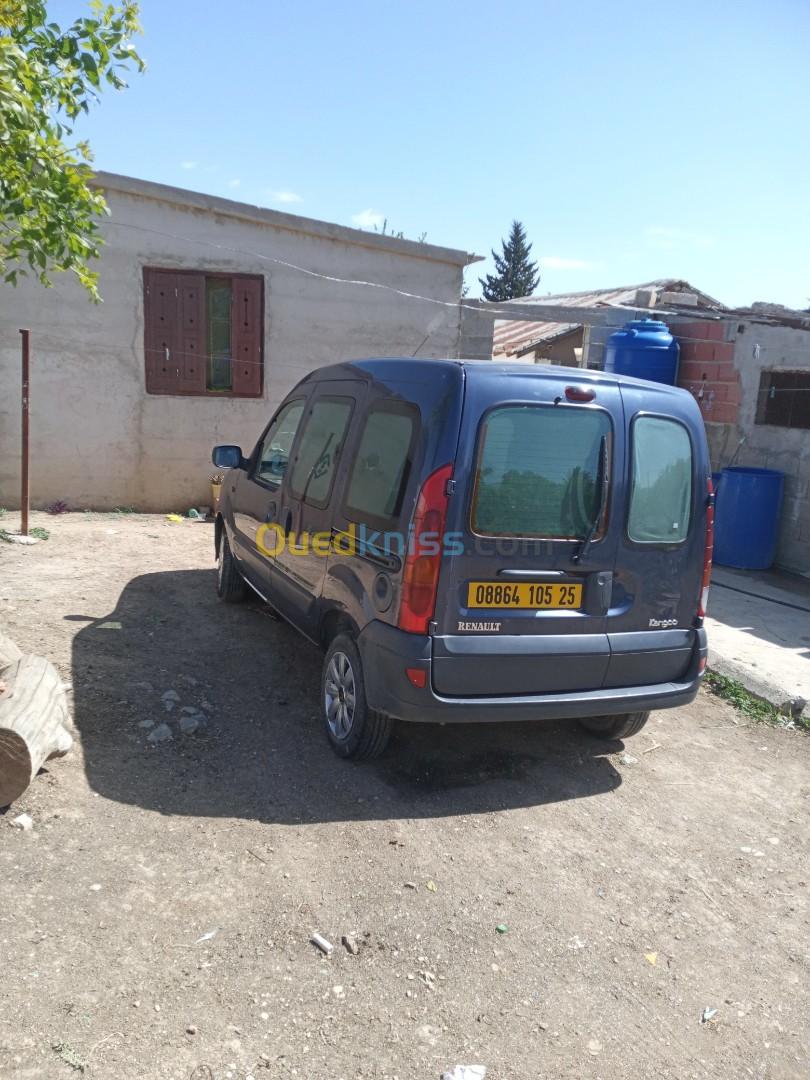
(659, 557)
(531, 536)
(305, 509)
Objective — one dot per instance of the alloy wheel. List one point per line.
(340, 696)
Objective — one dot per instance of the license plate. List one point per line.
(522, 595)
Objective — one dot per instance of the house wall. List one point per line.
(558, 351)
(99, 440)
(476, 333)
(721, 365)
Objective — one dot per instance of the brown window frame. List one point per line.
(784, 399)
(183, 311)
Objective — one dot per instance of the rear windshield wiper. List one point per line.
(603, 481)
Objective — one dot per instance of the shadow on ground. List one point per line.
(262, 754)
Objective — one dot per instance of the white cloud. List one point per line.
(557, 262)
(189, 164)
(284, 196)
(368, 219)
(670, 238)
(234, 183)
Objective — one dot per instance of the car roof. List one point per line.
(408, 367)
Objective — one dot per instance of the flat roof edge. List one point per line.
(216, 204)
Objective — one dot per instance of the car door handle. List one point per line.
(604, 583)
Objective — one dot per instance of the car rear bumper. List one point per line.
(387, 652)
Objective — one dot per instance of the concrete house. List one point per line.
(212, 311)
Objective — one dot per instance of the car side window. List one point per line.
(319, 448)
(661, 481)
(274, 454)
(381, 467)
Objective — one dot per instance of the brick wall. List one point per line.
(707, 370)
(721, 364)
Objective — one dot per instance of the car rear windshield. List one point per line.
(661, 483)
(539, 471)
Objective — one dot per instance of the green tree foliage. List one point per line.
(516, 275)
(49, 76)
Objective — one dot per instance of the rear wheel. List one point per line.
(615, 727)
(353, 729)
(230, 584)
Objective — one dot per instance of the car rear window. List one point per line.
(661, 481)
(538, 469)
(380, 470)
(317, 453)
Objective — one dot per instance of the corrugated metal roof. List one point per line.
(513, 338)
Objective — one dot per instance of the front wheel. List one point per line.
(353, 729)
(615, 727)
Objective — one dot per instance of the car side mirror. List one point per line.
(227, 457)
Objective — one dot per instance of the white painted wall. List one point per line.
(99, 440)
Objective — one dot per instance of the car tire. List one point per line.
(352, 728)
(615, 727)
(231, 585)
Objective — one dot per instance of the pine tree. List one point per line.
(516, 276)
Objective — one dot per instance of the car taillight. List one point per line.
(420, 578)
(707, 554)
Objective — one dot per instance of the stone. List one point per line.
(190, 724)
(350, 944)
(794, 707)
(24, 822)
(162, 733)
(169, 699)
(147, 723)
(143, 687)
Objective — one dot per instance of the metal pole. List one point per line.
(25, 494)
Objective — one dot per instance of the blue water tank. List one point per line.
(645, 349)
(746, 517)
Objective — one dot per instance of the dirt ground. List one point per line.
(156, 921)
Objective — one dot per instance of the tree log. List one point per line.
(33, 723)
(9, 652)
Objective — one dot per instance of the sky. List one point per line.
(633, 140)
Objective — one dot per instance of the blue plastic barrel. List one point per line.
(645, 349)
(746, 517)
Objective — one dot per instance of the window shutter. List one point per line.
(191, 359)
(160, 304)
(247, 330)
